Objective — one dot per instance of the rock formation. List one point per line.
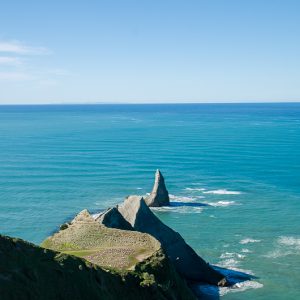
(112, 218)
(159, 195)
(186, 261)
(32, 272)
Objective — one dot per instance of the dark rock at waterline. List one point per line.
(159, 195)
(186, 261)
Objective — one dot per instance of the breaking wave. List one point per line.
(231, 255)
(240, 279)
(179, 209)
(249, 240)
(222, 192)
(195, 189)
(183, 199)
(289, 241)
(213, 291)
(285, 245)
(221, 203)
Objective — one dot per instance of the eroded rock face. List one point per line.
(187, 262)
(159, 195)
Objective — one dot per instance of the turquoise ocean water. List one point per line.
(241, 161)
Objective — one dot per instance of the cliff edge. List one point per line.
(35, 273)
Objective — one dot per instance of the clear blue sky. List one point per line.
(149, 51)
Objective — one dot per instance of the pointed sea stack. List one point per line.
(159, 195)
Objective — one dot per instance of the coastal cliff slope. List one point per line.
(186, 261)
(32, 272)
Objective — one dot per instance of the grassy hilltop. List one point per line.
(91, 262)
(106, 247)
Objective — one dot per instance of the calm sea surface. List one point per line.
(241, 161)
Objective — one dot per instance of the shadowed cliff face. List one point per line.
(186, 261)
(35, 273)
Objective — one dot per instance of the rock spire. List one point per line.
(159, 195)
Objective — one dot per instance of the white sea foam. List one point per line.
(239, 277)
(249, 240)
(289, 241)
(183, 199)
(212, 290)
(177, 204)
(232, 255)
(139, 188)
(245, 250)
(222, 192)
(229, 263)
(285, 245)
(241, 287)
(221, 203)
(179, 209)
(195, 189)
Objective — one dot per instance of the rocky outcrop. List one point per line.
(159, 195)
(35, 273)
(186, 261)
(113, 219)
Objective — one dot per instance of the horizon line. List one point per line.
(144, 103)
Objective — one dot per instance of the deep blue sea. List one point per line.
(241, 161)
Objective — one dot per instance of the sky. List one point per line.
(150, 51)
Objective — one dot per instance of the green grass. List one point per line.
(107, 247)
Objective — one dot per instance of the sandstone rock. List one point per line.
(159, 195)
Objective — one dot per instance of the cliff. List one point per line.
(32, 272)
(186, 261)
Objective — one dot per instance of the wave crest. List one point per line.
(286, 245)
(249, 240)
(222, 192)
(221, 203)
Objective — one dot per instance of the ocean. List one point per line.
(232, 170)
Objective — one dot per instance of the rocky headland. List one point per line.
(34, 273)
(125, 252)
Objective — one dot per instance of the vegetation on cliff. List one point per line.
(106, 247)
(32, 272)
